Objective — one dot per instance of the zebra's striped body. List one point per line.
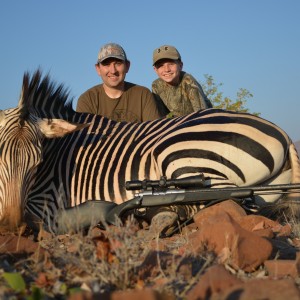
(230, 149)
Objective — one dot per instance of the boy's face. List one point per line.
(168, 70)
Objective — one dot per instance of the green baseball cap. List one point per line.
(111, 50)
(165, 52)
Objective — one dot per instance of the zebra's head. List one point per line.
(22, 130)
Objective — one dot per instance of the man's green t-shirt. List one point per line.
(136, 104)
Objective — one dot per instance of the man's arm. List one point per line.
(197, 97)
(162, 108)
(85, 104)
(150, 108)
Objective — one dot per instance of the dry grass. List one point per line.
(118, 258)
(103, 261)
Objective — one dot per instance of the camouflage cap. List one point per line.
(165, 52)
(111, 50)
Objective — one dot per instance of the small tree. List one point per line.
(211, 89)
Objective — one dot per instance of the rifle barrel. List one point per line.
(262, 188)
(176, 196)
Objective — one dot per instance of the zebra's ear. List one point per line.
(2, 115)
(2, 118)
(54, 128)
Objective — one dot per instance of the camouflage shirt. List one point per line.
(182, 99)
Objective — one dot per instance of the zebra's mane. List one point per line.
(43, 97)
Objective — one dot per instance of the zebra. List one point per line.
(53, 158)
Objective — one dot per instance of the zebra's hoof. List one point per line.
(162, 224)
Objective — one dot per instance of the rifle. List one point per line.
(163, 192)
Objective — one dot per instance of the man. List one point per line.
(177, 92)
(116, 98)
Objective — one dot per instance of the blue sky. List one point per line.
(252, 44)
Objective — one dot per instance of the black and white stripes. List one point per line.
(92, 157)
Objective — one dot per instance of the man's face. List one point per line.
(168, 70)
(113, 71)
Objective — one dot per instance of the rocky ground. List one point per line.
(224, 254)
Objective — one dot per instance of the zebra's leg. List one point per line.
(283, 207)
(162, 224)
(164, 221)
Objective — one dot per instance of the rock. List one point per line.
(256, 222)
(19, 245)
(240, 248)
(283, 267)
(154, 262)
(258, 289)
(229, 206)
(146, 294)
(264, 226)
(214, 280)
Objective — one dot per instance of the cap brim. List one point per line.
(111, 56)
(165, 58)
